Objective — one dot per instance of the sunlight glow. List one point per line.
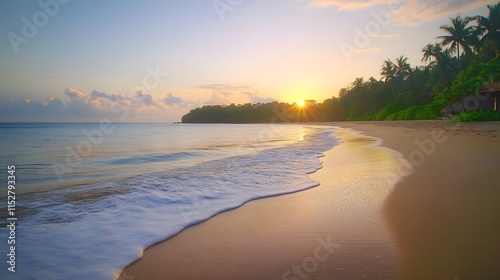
(301, 103)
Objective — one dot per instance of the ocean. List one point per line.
(90, 197)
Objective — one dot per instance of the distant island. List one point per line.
(461, 79)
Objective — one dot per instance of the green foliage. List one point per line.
(477, 116)
(430, 112)
(390, 109)
(417, 86)
(245, 113)
(419, 112)
(410, 113)
(475, 77)
(394, 117)
(403, 93)
(365, 117)
(329, 110)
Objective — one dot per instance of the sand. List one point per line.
(434, 215)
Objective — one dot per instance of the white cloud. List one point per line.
(254, 98)
(224, 89)
(385, 35)
(350, 5)
(86, 107)
(143, 99)
(368, 50)
(361, 51)
(407, 12)
(74, 94)
(217, 99)
(225, 94)
(172, 100)
(415, 12)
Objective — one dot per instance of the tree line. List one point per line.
(467, 54)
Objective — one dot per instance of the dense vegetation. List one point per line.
(466, 60)
(477, 116)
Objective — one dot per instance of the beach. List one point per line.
(397, 200)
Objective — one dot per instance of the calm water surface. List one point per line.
(94, 198)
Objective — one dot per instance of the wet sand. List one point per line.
(446, 215)
(439, 222)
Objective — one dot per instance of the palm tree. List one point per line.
(358, 83)
(388, 72)
(437, 51)
(428, 51)
(431, 54)
(489, 29)
(359, 89)
(372, 82)
(459, 35)
(445, 68)
(403, 68)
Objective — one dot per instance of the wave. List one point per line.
(150, 158)
(92, 232)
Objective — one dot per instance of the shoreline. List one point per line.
(266, 238)
(444, 216)
(272, 235)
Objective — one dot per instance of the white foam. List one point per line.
(94, 231)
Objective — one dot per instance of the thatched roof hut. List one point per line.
(493, 90)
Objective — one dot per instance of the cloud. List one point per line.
(224, 89)
(254, 98)
(144, 99)
(350, 4)
(54, 106)
(98, 94)
(407, 12)
(360, 51)
(217, 99)
(368, 50)
(385, 35)
(415, 12)
(74, 94)
(82, 106)
(225, 94)
(172, 100)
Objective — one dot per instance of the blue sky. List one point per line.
(75, 60)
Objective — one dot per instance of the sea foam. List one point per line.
(93, 232)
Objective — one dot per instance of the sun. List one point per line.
(301, 103)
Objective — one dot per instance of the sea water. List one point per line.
(91, 197)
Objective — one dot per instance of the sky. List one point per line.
(153, 61)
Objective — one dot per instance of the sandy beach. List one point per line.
(422, 203)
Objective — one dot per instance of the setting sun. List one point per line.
(301, 103)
